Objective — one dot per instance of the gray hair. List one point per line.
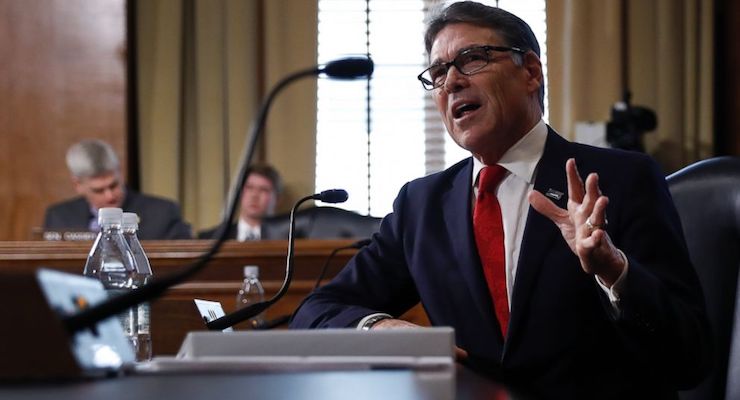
(514, 31)
(91, 157)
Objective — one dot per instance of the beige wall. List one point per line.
(203, 72)
(668, 62)
(584, 61)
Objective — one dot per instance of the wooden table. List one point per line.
(175, 314)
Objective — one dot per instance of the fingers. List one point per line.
(593, 219)
(592, 191)
(587, 213)
(392, 323)
(583, 196)
(593, 246)
(460, 354)
(575, 184)
(598, 214)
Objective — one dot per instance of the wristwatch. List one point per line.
(367, 323)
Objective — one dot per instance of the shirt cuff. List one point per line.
(369, 320)
(614, 292)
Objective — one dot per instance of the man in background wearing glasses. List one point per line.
(564, 283)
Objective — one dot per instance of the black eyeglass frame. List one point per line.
(429, 85)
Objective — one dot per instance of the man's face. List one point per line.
(101, 191)
(258, 198)
(490, 110)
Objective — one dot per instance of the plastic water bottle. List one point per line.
(141, 334)
(111, 261)
(251, 292)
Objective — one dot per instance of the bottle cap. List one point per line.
(130, 221)
(252, 270)
(109, 216)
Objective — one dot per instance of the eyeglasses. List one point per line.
(467, 62)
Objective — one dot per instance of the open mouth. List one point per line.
(464, 109)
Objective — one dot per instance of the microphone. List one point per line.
(229, 320)
(348, 68)
(286, 318)
(331, 196)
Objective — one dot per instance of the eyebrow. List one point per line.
(104, 187)
(437, 61)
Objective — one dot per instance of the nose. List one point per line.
(455, 80)
(109, 195)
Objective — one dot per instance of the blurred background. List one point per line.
(174, 85)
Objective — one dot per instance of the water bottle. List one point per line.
(251, 292)
(141, 334)
(111, 261)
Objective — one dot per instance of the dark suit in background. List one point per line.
(158, 218)
(564, 340)
(211, 233)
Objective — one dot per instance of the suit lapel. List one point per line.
(540, 234)
(457, 210)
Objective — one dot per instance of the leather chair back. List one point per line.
(707, 196)
(321, 223)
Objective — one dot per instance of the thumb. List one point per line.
(546, 207)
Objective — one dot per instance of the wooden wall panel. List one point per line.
(62, 79)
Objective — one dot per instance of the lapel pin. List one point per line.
(554, 194)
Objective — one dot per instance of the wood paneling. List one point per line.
(62, 79)
(174, 314)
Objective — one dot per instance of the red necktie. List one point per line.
(489, 237)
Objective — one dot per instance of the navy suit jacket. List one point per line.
(159, 218)
(563, 340)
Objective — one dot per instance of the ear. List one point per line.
(533, 66)
(77, 182)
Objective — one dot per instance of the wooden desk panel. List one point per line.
(175, 314)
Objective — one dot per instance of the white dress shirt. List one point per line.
(521, 163)
(245, 231)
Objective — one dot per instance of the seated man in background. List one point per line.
(97, 179)
(258, 200)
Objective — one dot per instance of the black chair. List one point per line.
(707, 196)
(321, 223)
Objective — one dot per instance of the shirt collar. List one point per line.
(522, 158)
(244, 229)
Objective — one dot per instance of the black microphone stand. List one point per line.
(356, 245)
(343, 69)
(329, 196)
(283, 319)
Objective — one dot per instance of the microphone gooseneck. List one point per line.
(348, 68)
(356, 245)
(250, 311)
(283, 319)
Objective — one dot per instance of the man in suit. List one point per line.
(559, 286)
(259, 197)
(97, 179)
